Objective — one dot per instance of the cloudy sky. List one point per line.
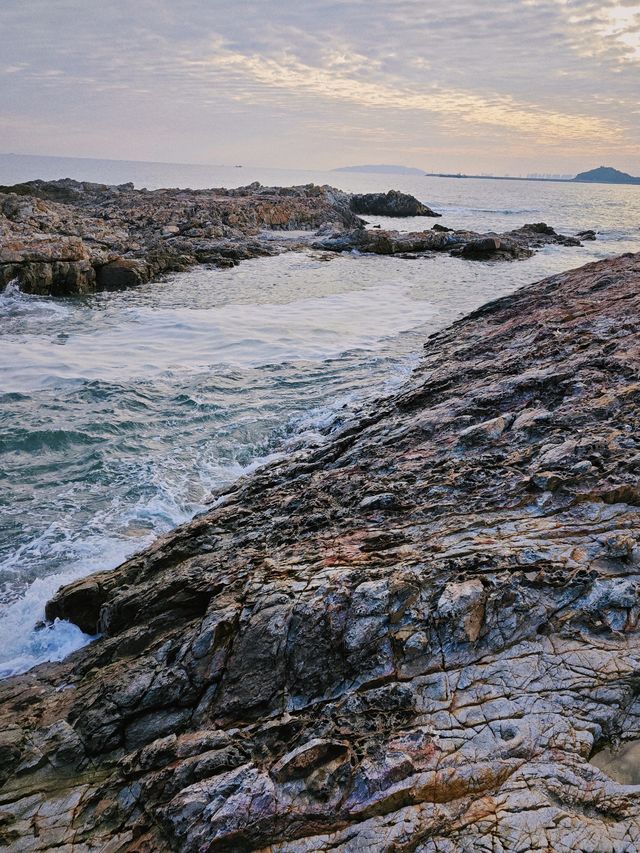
(507, 86)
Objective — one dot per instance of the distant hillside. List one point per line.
(382, 169)
(606, 175)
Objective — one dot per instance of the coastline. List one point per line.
(444, 530)
(68, 237)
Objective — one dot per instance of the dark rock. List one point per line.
(540, 228)
(84, 601)
(69, 237)
(513, 245)
(121, 273)
(541, 234)
(11, 749)
(301, 761)
(392, 203)
(480, 249)
(385, 500)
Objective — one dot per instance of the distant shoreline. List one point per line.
(535, 180)
(503, 178)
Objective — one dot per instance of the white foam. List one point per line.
(15, 303)
(238, 335)
(505, 211)
(49, 643)
(22, 646)
(11, 291)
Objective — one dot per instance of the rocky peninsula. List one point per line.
(418, 636)
(67, 237)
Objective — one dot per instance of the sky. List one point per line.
(500, 86)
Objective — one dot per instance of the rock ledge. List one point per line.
(413, 638)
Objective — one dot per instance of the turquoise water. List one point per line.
(121, 412)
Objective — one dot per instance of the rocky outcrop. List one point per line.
(540, 234)
(512, 245)
(392, 203)
(65, 237)
(68, 237)
(413, 637)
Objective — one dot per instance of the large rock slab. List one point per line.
(413, 637)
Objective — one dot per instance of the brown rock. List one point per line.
(121, 273)
(303, 669)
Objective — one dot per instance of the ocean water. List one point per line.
(120, 413)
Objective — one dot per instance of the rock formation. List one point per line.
(62, 237)
(68, 237)
(411, 638)
(392, 203)
(512, 245)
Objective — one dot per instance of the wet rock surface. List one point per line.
(63, 237)
(392, 203)
(411, 638)
(70, 237)
(512, 245)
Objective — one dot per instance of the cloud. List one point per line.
(606, 30)
(538, 82)
(621, 24)
(288, 74)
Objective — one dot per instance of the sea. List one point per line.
(121, 413)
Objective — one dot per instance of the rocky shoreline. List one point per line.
(412, 638)
(69, 237)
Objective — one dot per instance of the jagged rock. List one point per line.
(392, 203)
(66, 237)
(421, 635)
(386, 500)
(118, 236)
(300, 762)
(541, 234)
(84, 602)
(485, 431)
(540, 228)
(513, 245)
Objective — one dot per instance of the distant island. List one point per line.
(382, 169)
(606, 175)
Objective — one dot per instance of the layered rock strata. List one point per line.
(69, 237)
(63, 237)
(412, 638)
